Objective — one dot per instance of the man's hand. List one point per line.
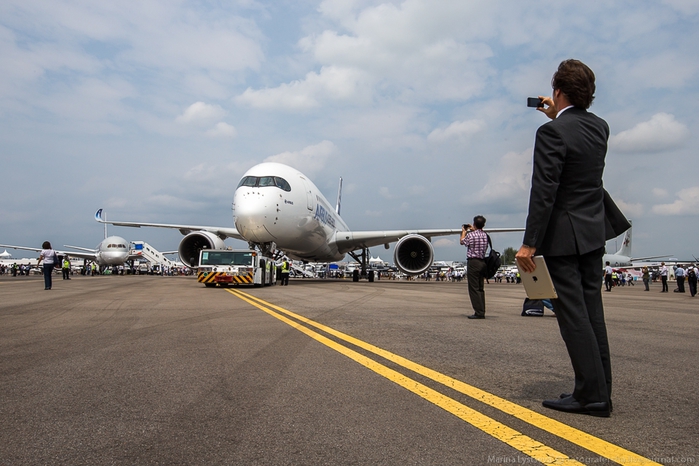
(524, 258)
(549, 109)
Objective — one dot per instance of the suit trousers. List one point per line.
(692, 282)
(580, 314)
(680, 284)
(475, 274)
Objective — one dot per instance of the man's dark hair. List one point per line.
(46, 245)
(577, 81)
(479, 221)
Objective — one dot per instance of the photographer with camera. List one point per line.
(475, 239)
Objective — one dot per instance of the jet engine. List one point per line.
(413, 254)
(196, 241)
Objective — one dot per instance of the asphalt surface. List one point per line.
(160, 370)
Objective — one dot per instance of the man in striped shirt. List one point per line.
(475, 239)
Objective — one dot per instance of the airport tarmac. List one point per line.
(161, 370)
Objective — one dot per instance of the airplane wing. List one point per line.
(221, 232)
(79, 248)
(82, 255)
(649, 257)
(351, 240)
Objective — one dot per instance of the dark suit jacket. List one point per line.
(569, 210)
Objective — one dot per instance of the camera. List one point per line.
(534, 102)
(466, 225)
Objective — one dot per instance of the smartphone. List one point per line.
(534, 102)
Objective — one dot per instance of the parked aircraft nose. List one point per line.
(114, 257)
(255, 208)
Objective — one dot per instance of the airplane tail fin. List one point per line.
(339, 198)
(625, 249)
(98, 217)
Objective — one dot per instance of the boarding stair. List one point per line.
(149, 253)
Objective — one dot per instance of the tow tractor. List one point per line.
(228, 267)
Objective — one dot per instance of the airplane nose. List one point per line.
(253, 209)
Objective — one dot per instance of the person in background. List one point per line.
(66, 268)
(692, 279)
(476, 240)
(679, 276)
(50, 259)
(646, 277)
(608, 276)
(285, 272)
(663, 277)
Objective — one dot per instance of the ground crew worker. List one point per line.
(66, 268)
(285, 272)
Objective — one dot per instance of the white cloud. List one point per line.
(687, 203)
(222, 129)
(667, 70)
(309, 160)
(630, 210)
(201, 113)
(510, 182)
(386, 193)
(457, 130)
(331, 84)
(659, 192)
(661, 133)
(444, 242)
(687, 7)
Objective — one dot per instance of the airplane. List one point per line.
(622, 258)
(113, 250)
(278, 210)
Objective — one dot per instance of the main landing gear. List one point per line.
(362, 259)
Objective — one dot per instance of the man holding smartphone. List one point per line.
(476, 240)
(569, 220)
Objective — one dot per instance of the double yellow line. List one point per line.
(515, 439)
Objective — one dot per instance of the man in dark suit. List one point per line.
(570, 218)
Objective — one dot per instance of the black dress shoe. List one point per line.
(476, 316)
(566, 395)
(571, 405)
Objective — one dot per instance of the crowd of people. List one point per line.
(93, 269)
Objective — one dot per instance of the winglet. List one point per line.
(339, 198)
(98, 216)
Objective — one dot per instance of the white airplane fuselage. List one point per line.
(277, 203)
(617, 260)
(113, 250)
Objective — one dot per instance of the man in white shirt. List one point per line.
(608, 276)
(663, 277)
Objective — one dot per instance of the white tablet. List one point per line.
(538, 284)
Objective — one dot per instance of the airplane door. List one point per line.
(309, 195)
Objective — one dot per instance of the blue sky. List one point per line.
(153, 110)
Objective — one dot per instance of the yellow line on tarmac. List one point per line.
(594, 444)
(515, 439)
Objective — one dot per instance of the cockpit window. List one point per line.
(282, 183)
(263, 181)
(248, 181)
(266, 181)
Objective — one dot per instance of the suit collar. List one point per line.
(572, 111)
(560, 112)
